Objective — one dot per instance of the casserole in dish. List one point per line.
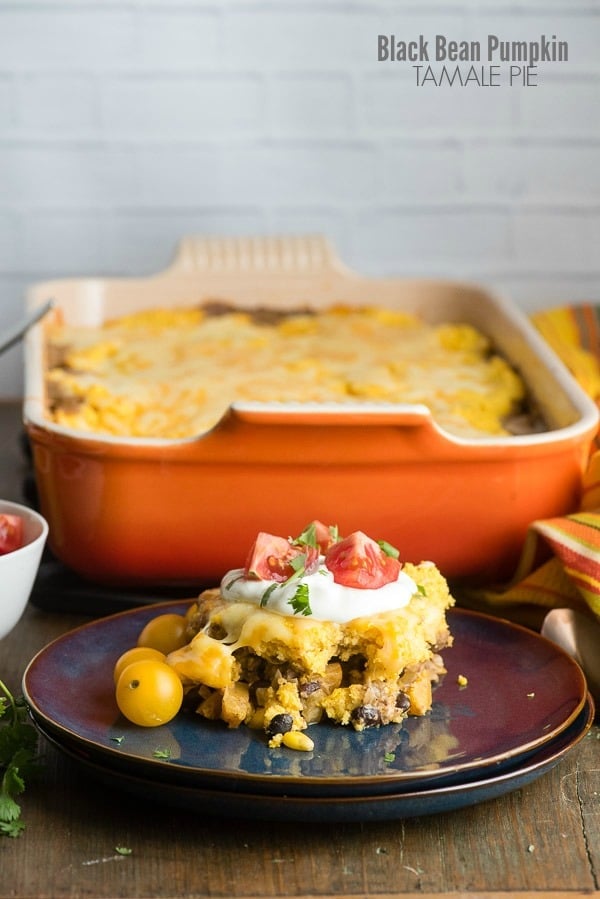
(175, 511)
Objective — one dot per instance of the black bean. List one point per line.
(366, 715)
(402, 701)
(280, 724)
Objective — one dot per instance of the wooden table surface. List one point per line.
(541, 840)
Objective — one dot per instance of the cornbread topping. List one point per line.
(172, 373)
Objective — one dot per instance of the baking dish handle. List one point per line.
(400, 415)
(294, 254)
(325, 432)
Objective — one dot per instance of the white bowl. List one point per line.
(18, 568)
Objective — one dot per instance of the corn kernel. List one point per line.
(295, 739)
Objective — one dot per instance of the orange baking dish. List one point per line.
(151, 511)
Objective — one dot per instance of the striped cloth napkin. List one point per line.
(560, 562)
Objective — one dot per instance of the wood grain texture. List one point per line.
(541, 842)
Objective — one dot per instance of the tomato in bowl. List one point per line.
(23, 534)
(11, 532)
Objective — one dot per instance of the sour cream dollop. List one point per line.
(328, 601)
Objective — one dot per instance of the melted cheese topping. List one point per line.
(173, 373)
(328, 601)
(211, 661)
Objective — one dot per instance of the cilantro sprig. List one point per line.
(300, 602)
(18, 759)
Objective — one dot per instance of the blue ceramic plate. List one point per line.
(522, 692)
(351, 809)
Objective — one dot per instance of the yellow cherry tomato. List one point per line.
(149, 693)
(136, 654)
(165, 633)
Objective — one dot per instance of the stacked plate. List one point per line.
(511, 706)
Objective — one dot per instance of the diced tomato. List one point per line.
(359, 561)
(271, 558)
(326, 536)
(11, 533)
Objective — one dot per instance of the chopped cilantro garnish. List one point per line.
(298, 563)
(388, 549)
(265, 597)
(308, 537)
(162, 753)
(300, 601)
(234, 580)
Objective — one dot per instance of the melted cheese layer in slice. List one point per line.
(389, 641)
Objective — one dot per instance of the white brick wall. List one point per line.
(124, 125)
